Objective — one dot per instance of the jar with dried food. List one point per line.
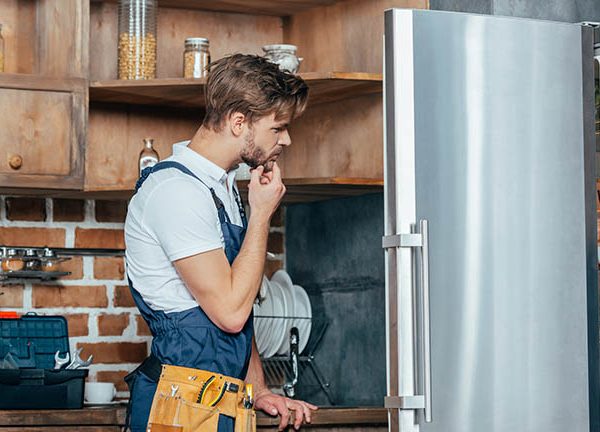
(49, 261)
(137, 39)
(196, 58)
(32, 261)
(12, 261)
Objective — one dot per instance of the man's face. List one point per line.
(265, 141)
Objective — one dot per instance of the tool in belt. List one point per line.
(188, 399)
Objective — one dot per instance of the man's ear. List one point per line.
(237, 122)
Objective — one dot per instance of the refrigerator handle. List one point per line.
(421, 241)
(426, 329)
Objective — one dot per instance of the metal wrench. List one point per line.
(78, 362)
(59, 361)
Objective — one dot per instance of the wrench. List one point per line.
(78, 362)
(59, 361)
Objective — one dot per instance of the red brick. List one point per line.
(123, 297)
(11, 296)
(26, 209)
(115, 377)
(75, 266)
(142, 327)
(275, 243)
(99, 238)
(52, 237)
(115, 352)
(272, 266)
(78, 324)
(111, 211)
(68, 210)
(278, 217)
(112, 325)
(109, 268)
(75, 296)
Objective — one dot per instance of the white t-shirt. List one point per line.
(173, 216)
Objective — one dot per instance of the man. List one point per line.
(195, 264)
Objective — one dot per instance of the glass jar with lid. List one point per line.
(196, 58)
(137, 39)
(32, 261)
(12, 261)
(49, 262)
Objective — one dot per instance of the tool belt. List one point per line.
(188, 399)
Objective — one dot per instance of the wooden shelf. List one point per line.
(254, 7)
(298, 190)
(189, 93)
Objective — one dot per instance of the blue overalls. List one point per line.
(190, 338)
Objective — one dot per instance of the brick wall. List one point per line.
(95, 299)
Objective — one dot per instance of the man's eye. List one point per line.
(276, 130)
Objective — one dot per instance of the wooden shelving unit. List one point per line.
(189, 93)
(254, 7)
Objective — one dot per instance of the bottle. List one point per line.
(1, 50)
(196, 58)
(148, 156)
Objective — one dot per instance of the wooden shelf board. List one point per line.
(298, 190)
(254, 7)
(189, 93)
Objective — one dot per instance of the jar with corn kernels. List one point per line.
(137, 39)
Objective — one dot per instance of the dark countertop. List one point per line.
(114, 415)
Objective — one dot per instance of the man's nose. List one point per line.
(284, 138)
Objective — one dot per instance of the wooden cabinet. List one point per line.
(43, 94)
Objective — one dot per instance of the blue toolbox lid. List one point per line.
(33, 340)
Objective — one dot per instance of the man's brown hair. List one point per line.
(253, 86)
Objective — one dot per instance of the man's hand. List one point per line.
(265, 191)
(274, 405)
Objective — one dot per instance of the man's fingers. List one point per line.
(256, 173)
(299, 416)
(307, 413)
(276, 171)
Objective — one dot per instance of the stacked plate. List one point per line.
(283, 305)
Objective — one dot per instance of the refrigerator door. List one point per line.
(489, 137)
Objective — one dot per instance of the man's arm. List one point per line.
(226, 293)
(271, 403)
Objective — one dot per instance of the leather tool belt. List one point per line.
(189, 399)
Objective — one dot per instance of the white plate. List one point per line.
(302, 309)
(285, 282)
(259, 323)
(262, 329)
(278, 329)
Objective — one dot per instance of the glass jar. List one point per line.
(32, 261)
(49, 261)
(283, 55)
(12, 261)
(1, 50)
(196, 58)
(137, 39)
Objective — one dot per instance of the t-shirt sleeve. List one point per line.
(182, 218)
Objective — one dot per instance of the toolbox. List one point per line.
(30, 342)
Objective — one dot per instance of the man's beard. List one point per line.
(254, 156)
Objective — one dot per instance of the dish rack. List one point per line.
(282, 372)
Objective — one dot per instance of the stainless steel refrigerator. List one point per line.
(490, 230)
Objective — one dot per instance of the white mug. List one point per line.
(99, 393)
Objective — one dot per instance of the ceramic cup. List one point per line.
(99, 393)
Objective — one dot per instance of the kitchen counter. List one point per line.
(112, 417)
